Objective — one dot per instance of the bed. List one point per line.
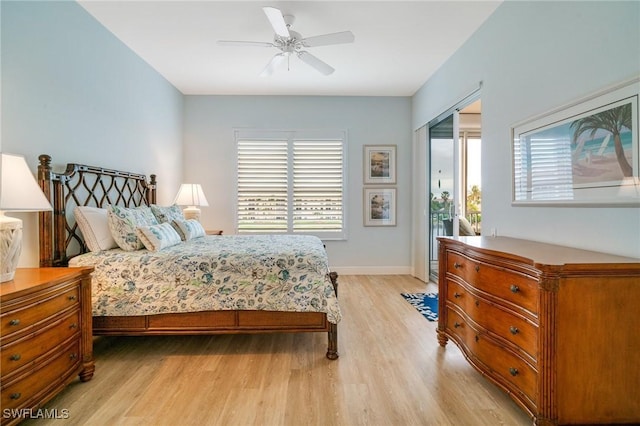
(224, 284)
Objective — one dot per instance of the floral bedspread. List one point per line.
(226, 272)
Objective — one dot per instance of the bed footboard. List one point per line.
(222, 322)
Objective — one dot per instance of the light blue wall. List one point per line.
(72, 90)
(533, 57)
(210, 155)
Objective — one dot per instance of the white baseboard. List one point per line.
(373, 270)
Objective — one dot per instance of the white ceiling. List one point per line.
(398, 44)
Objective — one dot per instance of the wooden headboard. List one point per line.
(82, 185)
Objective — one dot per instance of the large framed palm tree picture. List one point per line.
(585, 153)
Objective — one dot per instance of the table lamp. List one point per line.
(19, 192)
(191, 195)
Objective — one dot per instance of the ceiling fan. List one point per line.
(292, 43)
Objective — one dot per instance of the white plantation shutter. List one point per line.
(317, 185)
(291, 182)
(262, 186)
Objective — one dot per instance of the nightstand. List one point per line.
(45, 335)
(214, 231)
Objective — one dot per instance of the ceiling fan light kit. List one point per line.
(290, 42)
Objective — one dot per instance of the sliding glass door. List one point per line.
(454, 145)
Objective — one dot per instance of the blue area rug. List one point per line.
(425, 303)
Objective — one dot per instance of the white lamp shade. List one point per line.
(19, 190)
(190, 194)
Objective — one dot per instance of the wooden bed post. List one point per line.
(45, 218)
(332, 350)
(151, 190)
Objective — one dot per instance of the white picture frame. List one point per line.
(380, 205)
(582, 154)
(380, 164)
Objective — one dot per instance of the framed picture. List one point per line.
(380, 207)
(583, 154)
(379, 164)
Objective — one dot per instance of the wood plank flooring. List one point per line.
(391, 371)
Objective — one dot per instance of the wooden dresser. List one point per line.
(557, 328)
(45, 338)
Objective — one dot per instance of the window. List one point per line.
(291, 182)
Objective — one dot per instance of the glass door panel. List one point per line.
(442, 170)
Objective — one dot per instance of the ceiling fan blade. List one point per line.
(244, 43)
(271, 66)
(327, 39)
(277, 21)
(316, 63)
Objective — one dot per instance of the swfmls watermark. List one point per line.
(30, 413)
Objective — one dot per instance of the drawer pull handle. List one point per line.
(514, 288)
(16, 395)
(457, 265)
(457, 295)
(74, 325)
(456, 324)
(477, 303)
(514, 330)
(513, 371)
(477, 268)
(72, 297)
(73, 356)
(15, 357)
(477, 338)
(14, 322)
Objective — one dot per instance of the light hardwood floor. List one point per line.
(391, 371)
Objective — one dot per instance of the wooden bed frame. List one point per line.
(60, 240)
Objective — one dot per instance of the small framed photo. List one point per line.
(380, 164)
(380, 206)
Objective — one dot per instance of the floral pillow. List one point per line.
(167, 214)
(123, 223)
(188, 229)
(157, 237)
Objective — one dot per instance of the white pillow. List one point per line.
(123, 223)
(188, 229)
(157, 237)
(94, 226)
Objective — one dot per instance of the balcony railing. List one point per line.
(441, 223)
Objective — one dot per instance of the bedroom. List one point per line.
(152, 128)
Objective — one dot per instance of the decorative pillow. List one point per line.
(94, 226)
(123, 223)
(167, 214)
(157, 237)
(188, 229)
(465, 227)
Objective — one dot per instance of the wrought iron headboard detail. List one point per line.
(82, 185)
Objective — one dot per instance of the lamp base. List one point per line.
(10, 246)
(191, 213)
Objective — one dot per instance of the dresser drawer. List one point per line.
(508, 285)
(30, 387)
(23, 351)
(505, 367)
(42, 308)
(495, 319)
